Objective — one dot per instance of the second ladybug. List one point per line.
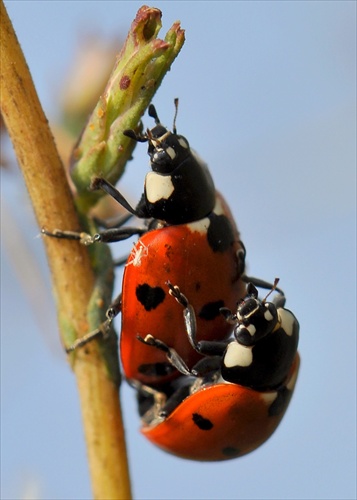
(234, 399)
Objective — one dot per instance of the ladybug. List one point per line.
(193, 240)
(190, 238)
(232, 401)
(207, 258)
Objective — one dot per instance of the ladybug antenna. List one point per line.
(153, 114)
(275, 284)
(176, 103)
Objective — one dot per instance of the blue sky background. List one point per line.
(268, 98)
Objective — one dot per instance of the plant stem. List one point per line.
(72, 275)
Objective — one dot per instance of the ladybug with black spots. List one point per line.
(232, 400)
(207, 258)
(193, 240)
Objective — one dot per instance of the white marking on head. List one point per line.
(238, 355)
(286, 320)
(267, 314)
(158, 187)
(171, 152)
(183, 143)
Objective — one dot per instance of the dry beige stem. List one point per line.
(72, 275)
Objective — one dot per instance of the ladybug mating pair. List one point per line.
(191, 240)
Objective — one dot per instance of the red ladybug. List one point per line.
(193, 240)
(207, 259)
(228, 410)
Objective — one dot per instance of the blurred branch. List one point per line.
(72, 274)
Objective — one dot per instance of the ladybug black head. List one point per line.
(167, 150)
(256, 318)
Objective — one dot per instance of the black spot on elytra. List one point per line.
(210, 310)
(280, 402)
(156, 369)
(230, 451)
(220, 233)
(202, 423)
(150, 297)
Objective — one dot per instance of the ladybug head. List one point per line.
(256, 318)
(167, 150)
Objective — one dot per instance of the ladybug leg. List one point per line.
(100, 183)
(151, 401)
(207, 366)
(228, 315)
(155, 405)
(117, 234)
(189, 315)
(173, 357)
(105, 236)
(82, 237)
(103, 329)
(205, 347)
(140, 211)
(174, 401)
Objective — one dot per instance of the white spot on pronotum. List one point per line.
(218, 208)
(238, 355)
(286, 320)
(139, 251)
(158, 187)
(268, 315)
(199, 226)
(269, 397)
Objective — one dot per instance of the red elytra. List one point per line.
(222, 421)
(211, 279)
